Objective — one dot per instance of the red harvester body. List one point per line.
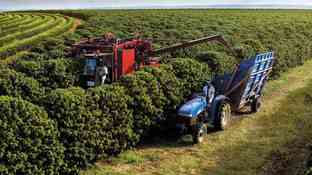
(122, 57)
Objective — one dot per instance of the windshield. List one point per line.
(90, 67)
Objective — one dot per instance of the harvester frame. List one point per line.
(126, 56)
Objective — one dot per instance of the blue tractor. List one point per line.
(224, 95)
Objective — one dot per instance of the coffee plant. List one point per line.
(28, 139)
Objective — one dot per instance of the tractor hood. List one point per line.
(193, 108)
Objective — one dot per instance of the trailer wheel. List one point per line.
(255, 105)
(200, 131)
(223, 119)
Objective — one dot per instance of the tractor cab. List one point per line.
(93, 67)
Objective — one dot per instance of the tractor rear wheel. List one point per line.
(200, 131)
(224, 116)
(255, 105)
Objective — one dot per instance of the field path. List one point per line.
(245, 148)
(76, 24)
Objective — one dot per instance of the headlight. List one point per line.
(209, 92)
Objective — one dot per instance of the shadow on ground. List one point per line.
(170, 139)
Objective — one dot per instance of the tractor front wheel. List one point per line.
(255, 105)
(200, 131)
(224, 116)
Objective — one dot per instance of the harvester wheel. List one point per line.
(255, 105)
(224, 116)
(199, 133)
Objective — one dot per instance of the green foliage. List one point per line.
(32, 56)
(218, 62)
(285, 32)
(26, 23)
(27, 38)
(51, 48)
(73, 13)
(71, 38)
(67, 107)
(148, 100)
(109, 119)
(57, 73)
(18, 85)
(169, 84)
(92, 125)
(109, 106)
(34, 30)
(28, 139)
(191, 73)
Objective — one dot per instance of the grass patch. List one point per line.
(23, 40)
(130, 158)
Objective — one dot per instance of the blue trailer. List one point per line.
(226, 94)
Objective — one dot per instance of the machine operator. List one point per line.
(102, 72)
